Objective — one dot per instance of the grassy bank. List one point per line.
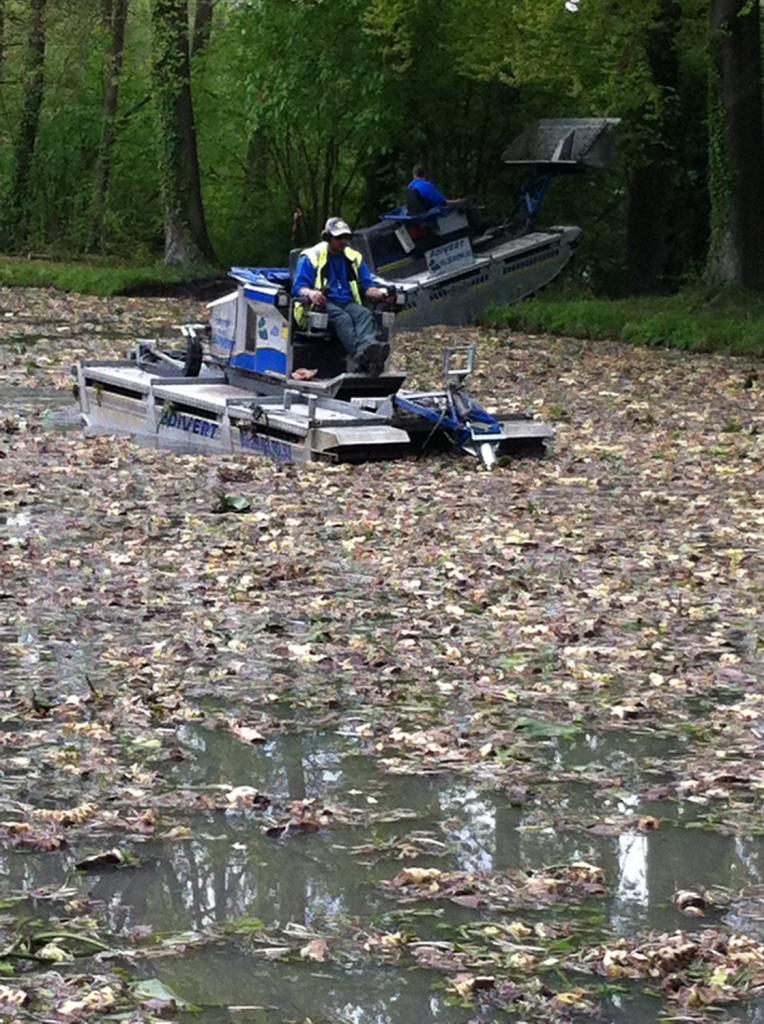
(727, 321)
(95, 278)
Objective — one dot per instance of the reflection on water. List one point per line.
(53, 667)
(268, 994)
(230, 869)
(632, 868)
(293, 766)
(629, 754)
(370, 995)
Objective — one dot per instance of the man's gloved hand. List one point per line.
(314, 296)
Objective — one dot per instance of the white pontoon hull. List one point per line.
(507, 273)
(206, 415)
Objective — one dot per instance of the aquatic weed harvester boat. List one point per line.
(454, 265)
(249, 404)
(255, 380)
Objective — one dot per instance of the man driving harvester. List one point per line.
(334, 278)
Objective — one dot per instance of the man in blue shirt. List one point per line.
(422, 195)
(334, 278)
(426, 195)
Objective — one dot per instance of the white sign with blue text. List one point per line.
(451, 256)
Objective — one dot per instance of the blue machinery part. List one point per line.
(454, 412)
(532, 197)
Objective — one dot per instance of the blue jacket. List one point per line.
(338, 283)
(428, 193)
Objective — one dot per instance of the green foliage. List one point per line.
(727, 321)
(243, 926)
(596, 57)
(324, 106)
(60, 184)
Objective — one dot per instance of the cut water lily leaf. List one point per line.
(537, 729)
(155, 991)
(233, 503)
(108, 860)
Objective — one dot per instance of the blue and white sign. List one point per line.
(276, 450)
(451, 256)
(188, 424)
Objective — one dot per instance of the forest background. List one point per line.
(220, 132)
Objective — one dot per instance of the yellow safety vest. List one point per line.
(319, 258)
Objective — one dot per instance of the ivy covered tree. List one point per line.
(17, 211)
(653, 184)
(186, 238)
(2, 39)
(202, 31)
(114, 21)
(736, 164)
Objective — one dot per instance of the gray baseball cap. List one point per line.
(336, 227)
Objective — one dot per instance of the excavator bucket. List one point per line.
(563, 144)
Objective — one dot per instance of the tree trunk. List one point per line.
(186, 238)
(736, 146)
(651, 191)
(2, 40)
(17, 221)
(202, 26)
(118, 20)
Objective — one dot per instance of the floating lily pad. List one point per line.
(107, 860)
(233, 503)
(534, 728)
